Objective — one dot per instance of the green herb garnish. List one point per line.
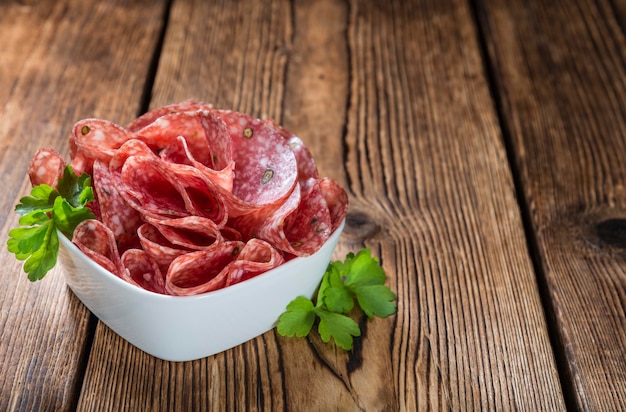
(359, 278)
(43, 212)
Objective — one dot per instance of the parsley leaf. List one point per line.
(336, 296)
(43, 212)
(365, 280)
(340, 327)
(298, 319)
(359, 278)
(41, 199)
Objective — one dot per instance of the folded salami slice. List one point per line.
(336, 199)
(149, 117)
(218, 139)
(201, 271)
(307, 170)
(178, 152)
(151, 188)
(96, 139)
(98, 243)
(115, 213)
(132, 147)
(161, 250)
(192, 232)
(80, 161)
(302, 225)
(159, 189)
(46, 167)
(166, 129)
(142, 271)
(199, 139)
(256, 257)
(203, 196)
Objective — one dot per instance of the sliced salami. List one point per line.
(98, 243)
(218, 139)
(115, 213)
(132, 147)
(166, 129)
(307, 168)
(202, 271)
(192, 232)
(150, 187)
(96, 139)
(151, 116)
(266, 170)
(46, 167)
(178, 152)
(301, 226)
(336, 199)
(202, 196)
(142, 271)
(256, 257)
(161, 250)
(190, 199)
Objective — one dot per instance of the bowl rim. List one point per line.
(72, 248)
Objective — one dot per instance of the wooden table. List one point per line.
(483, 148)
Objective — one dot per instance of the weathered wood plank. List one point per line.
(393, 101)
(59, 61)
(425, 162)
(560, 71)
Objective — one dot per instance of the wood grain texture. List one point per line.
(393, 101)
(57, 64)
(562, 78)
(230, 54)
(425, 162)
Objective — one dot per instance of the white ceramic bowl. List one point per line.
(183, 328)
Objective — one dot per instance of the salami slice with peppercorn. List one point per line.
(266, 170)
(95, 139)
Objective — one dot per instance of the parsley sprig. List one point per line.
(43, 212)
(359, 278)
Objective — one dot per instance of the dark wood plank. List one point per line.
(59, 61)
(393, 101)
(560, 70)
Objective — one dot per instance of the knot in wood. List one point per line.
(359, 225)
(612, 232)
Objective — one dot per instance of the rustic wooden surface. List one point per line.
(563, 98)
(480, 144)
(57, 63)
